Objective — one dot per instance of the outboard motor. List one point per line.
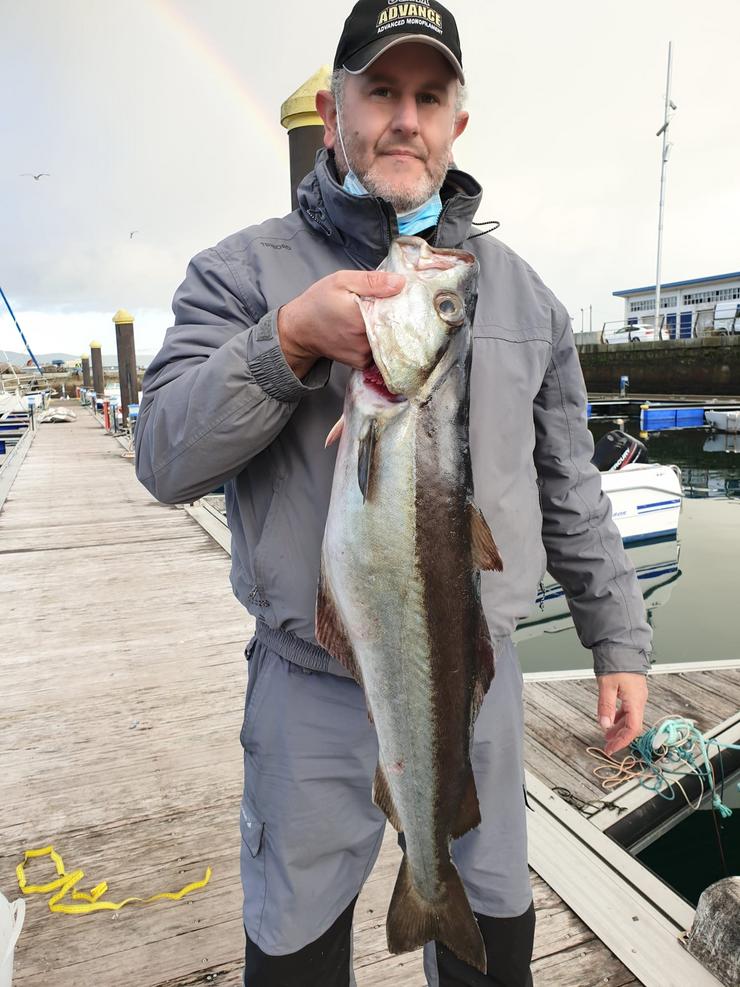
(616, 449)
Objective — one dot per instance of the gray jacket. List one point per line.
(221, 405)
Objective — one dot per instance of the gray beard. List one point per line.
(402, 201)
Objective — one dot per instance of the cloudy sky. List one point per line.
(162, 116)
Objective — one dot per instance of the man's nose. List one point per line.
(406, 118)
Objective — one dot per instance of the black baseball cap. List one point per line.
(374, 26)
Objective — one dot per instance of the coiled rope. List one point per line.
(672, 749)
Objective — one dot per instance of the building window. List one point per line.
(709, 297)
(648, 304)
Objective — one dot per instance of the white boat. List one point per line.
(11, 401)
(724, 421)
(646, 500)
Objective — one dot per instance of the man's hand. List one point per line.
(326, 319)
(621, 727)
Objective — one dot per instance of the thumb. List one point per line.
(375, 284)
(607, 706)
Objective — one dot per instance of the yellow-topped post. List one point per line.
(127, 377)
(96, 358)
(305, 129)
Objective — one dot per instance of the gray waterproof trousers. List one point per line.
(310, 831)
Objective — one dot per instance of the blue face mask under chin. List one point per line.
(409, 223)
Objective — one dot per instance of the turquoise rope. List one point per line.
(674, 741)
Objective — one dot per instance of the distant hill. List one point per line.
(109, 359)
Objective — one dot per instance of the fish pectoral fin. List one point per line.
(365, 457)
(485, 554)
(335, 434)
(468, 812)
(330, 630)
(383, 799)
(413, 921)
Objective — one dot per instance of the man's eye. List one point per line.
(428, 98)
(381, 91)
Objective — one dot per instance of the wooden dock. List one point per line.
(122, 681)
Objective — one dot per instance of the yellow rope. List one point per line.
(66, 885)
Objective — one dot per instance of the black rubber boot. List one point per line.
(509, 943)
(323, 963)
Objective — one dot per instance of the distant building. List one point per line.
(696, 307)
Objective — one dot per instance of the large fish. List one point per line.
(399, 594)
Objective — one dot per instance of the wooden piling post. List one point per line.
(305, 128)
(96, 357)
(127, 377)
(86, 379)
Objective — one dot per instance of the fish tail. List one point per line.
(414, 921)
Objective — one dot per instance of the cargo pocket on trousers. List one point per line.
(252, 831)
(253, 876)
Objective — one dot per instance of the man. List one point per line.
(249, 382)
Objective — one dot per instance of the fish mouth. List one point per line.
(372, 377)
(411, 253)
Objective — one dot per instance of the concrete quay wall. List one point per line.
(694, 366)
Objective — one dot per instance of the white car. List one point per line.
(636, 333)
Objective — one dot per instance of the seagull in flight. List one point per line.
(41, 174)
(131, 234)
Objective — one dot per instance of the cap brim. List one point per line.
(362, 60)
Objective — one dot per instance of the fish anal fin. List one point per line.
(413, 921)
(486, 556)
(383, 799)
(468, 811)
(365, 458)
(330, 630)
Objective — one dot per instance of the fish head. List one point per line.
(411, 332)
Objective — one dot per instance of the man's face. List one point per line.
(398, 123)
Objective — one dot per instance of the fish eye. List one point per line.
(449, 306)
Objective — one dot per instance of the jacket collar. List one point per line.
(364, 226)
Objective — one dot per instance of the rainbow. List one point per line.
(226, 74)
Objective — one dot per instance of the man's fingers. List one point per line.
(607, 706)
(372, 284)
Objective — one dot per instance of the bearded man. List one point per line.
(247, 386)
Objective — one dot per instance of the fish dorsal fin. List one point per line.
(365, 458)
(330, 630)
(383, 799)
(485, 554)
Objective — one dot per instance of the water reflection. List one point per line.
(656, 565)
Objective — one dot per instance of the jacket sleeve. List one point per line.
(219, 390)
(584, 548)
